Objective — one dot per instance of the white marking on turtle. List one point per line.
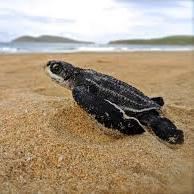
(127, 99)
(106, 114)
(172, 139)
(65, 83)
(125, 116)
(54, 76)
(135, 110)
(134, 93)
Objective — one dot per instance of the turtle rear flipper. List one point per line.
(163, 128)
(159, 100)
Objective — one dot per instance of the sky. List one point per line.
(95, 20)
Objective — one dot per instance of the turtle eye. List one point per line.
(56, 68)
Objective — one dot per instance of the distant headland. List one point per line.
(169, 40)
(47, 39)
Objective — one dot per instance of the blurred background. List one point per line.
(103, 25)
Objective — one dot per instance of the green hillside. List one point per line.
(47, 39)
(171, 40)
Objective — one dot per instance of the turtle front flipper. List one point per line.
(104, 112)
(162, 127)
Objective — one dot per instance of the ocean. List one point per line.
(70, 48)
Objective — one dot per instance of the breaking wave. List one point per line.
(8, 50)
(71, 48)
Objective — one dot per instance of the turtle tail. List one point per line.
(163, 128)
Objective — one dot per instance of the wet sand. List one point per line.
(49, 145)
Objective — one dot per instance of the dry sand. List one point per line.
(49, 145)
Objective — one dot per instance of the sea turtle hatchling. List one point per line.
(115, 103)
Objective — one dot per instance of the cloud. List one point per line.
(7, 14)
(100, 20)
(158, 3)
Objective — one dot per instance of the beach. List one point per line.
(48, 144)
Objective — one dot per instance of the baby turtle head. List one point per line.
(61, 72)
